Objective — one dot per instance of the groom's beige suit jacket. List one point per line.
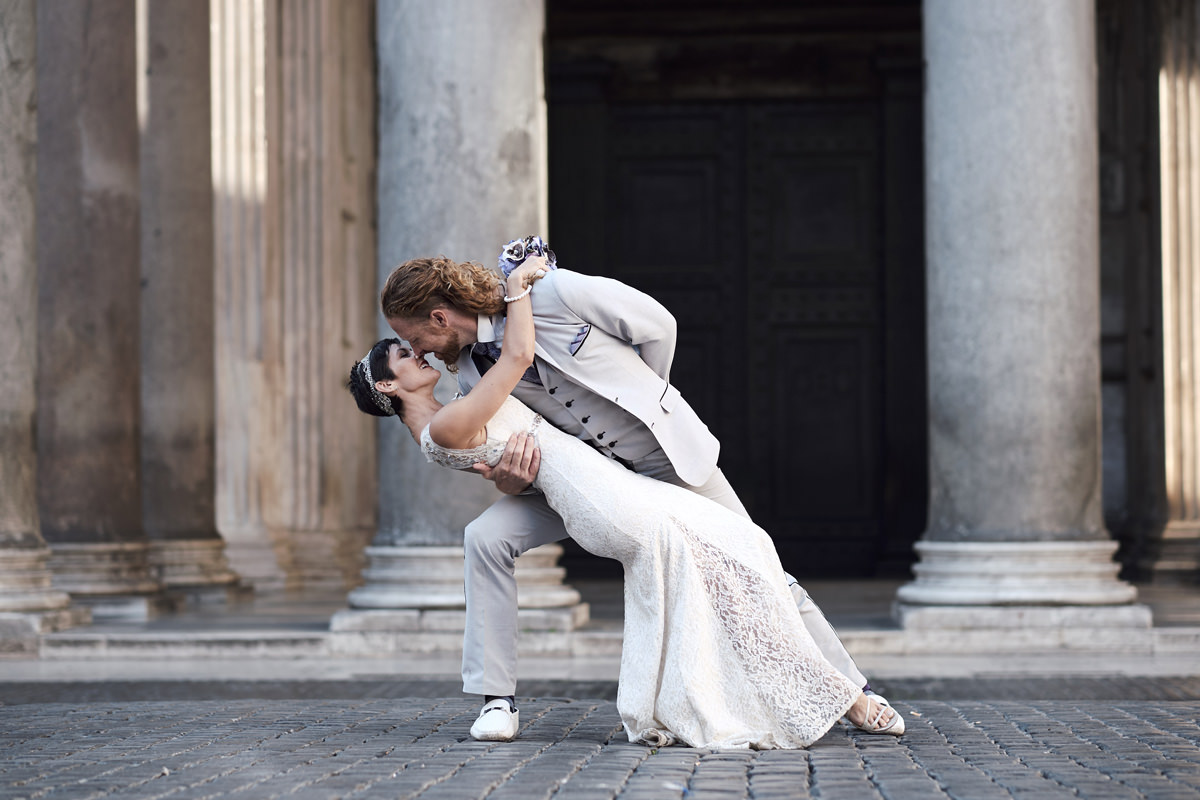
(617, 344)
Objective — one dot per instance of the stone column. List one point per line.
(326, 195)
(246, 267)
(89, 491)
(1013, 313)
(293, 139)
(462, 171)
(29, 604)
(1177, 554)
(178, 384)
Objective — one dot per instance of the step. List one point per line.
(232, 644)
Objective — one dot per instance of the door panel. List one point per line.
(675, 230)
(814, 284)
(759, 224)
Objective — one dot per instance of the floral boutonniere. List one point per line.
(515, 252)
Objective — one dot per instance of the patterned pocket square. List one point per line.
(577, 342)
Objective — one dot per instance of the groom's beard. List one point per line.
(448, 355)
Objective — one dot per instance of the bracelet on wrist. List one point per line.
(517, 297)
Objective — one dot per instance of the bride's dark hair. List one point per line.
(361, 389)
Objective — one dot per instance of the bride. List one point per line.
(715, 653)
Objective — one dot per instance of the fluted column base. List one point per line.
(1016, 573)
(196, 572)
(421, 588)
(26, 584)
(1000, 596)
(1176, 557)
(411, 577)
(20, 633)
(191, 562)
(29, 603)
(113, 579)
(330, 559)
(261, 560)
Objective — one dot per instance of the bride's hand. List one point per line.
(516, 469)
(533, 269)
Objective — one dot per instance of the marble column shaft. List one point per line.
(25, 583)
(247, 275)
(293, 138)
(1177, 555)
(462, 171)
(325, 182)
(89, 474)
(1013, 308)
(178, 372)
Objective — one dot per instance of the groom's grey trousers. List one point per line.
(517, 523)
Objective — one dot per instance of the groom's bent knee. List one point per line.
(484, 542)
(509, 527)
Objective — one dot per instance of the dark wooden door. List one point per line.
(775, 233)
(675, 228)
(815, 327)
(757, 225)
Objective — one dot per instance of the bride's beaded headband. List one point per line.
(382, 401)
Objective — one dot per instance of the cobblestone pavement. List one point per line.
(411, 747)
(1026, 687)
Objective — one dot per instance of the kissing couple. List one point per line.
(566, 404)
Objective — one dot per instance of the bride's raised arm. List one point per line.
(461, 424)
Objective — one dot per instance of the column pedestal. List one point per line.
(421, 589)
(196, 572)
(1176, 554)
(26, 583)
(112, 579)
(325, 560)
(1016, 573)
(20, 632)
(972, 597)
(29, 604)
(410, 578)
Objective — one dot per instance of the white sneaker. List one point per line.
(498, 722)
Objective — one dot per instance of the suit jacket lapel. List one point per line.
(544, 354)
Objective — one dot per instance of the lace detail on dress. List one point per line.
(488, 453)
(780, 670)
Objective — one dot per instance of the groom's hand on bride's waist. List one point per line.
(516, 469)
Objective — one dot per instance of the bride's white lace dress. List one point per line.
(715, 654)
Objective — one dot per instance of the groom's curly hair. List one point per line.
(420, 285)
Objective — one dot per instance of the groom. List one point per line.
(601, 373)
